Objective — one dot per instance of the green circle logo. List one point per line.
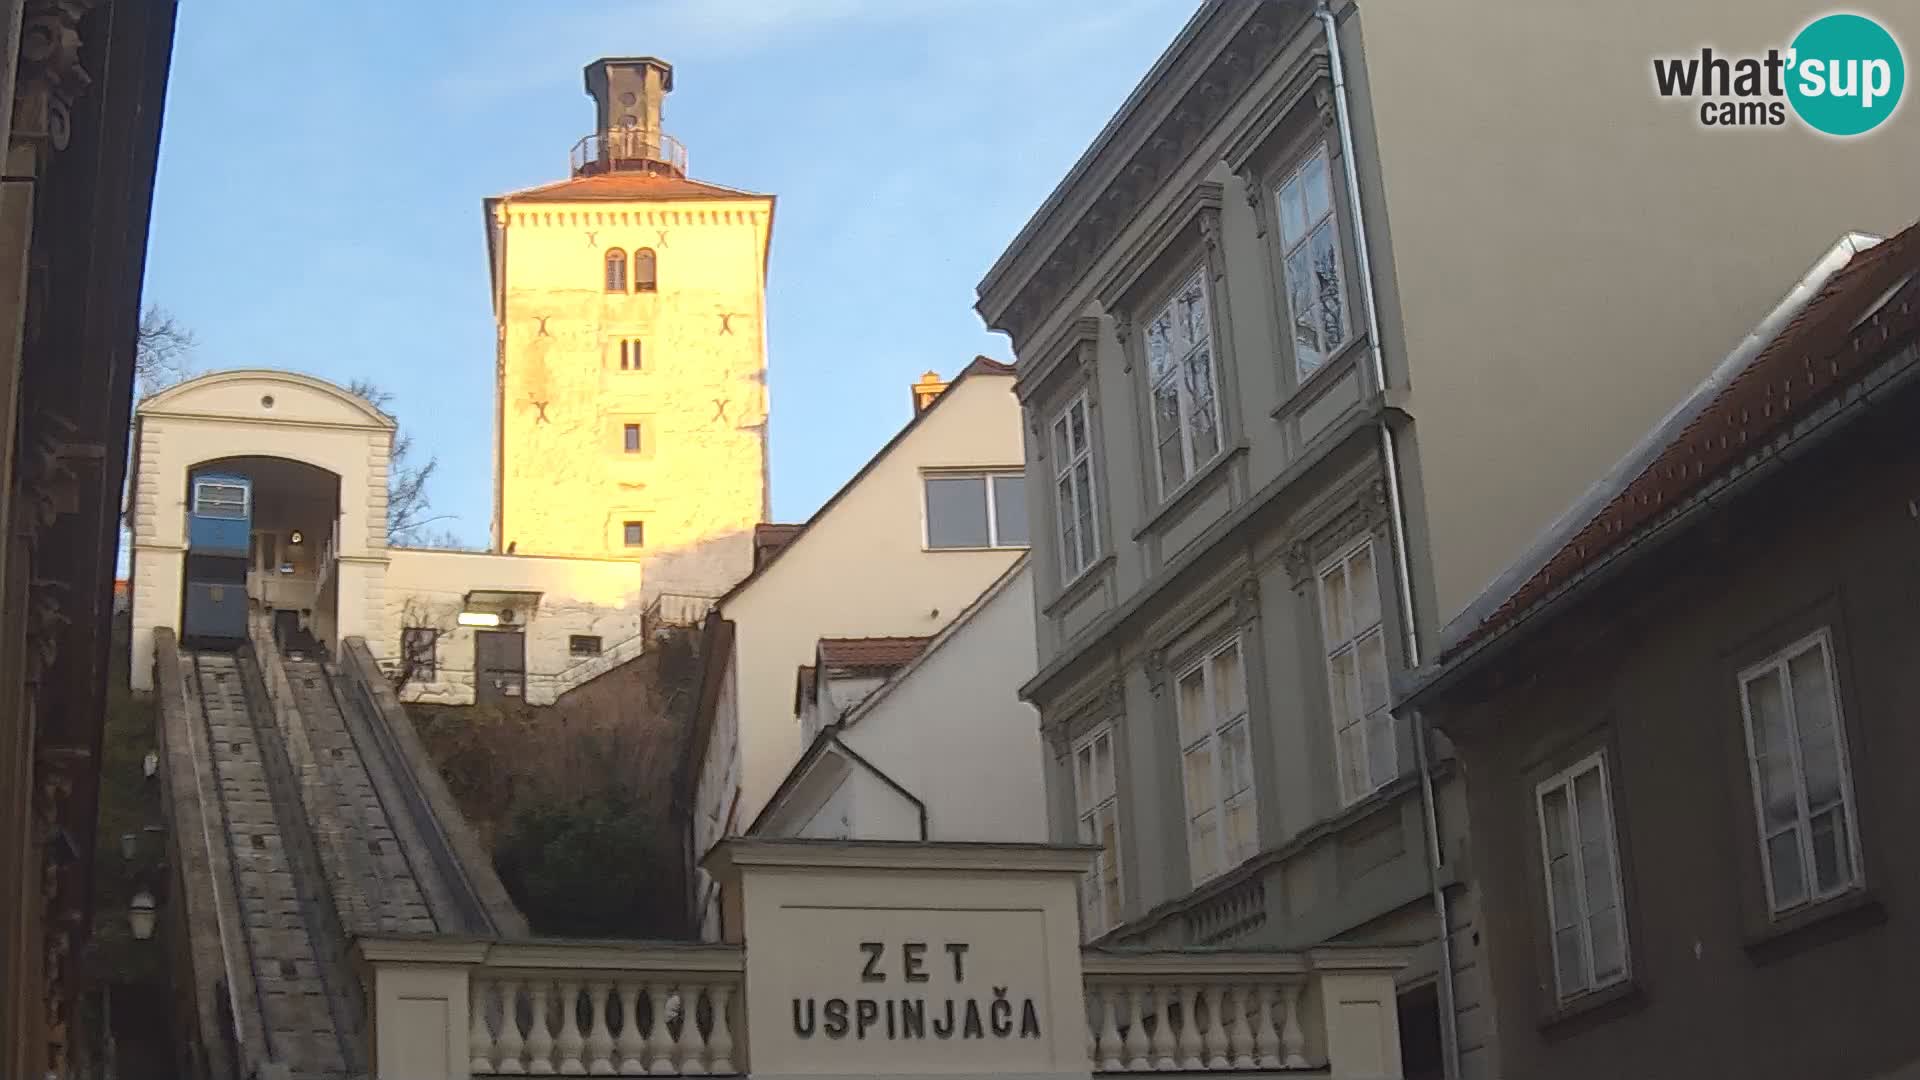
(1847, 75)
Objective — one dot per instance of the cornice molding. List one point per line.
(1066, 354)
(1198, 209)
(1234, 66)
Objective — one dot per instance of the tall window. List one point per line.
(616, 270)
(1073, 481)
(630, 354)
(1096, 802)
(1217, 763)
(1357, 672)
(1186, 416)
(1582, 865)
(645, 270)
(981, 510)
(1310, 248)
(633, 534)
(1802, 787)
(630, 436)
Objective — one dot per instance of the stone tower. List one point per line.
(631, 412)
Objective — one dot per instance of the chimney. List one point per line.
(924, 391)
(627, 93)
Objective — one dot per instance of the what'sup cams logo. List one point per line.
(1843, 75)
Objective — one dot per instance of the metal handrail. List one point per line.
(606, 151)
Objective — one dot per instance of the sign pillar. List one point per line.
(888, 959)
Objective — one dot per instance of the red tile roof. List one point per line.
(871, 653)
(1821, 351)
(627, 187)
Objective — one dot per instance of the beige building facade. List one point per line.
(1340, 309)
(630, 303)
(464, 626)
(876, 559)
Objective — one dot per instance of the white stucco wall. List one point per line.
(861, 569)
(952, 730)
(427, 588)
(254, 413)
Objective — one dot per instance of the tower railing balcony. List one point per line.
(629, 149)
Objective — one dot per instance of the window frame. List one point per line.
(1563, 781)
(644, 258)
(429, 666)
(575, 641)
(1111, 906)
(614, 281)
(1779, 662)
(632, 438)
(1342, 558)
(1226, 859)
(202, 484)
(987, 477)
(1318, 150)
(632, 354)
(1071, 567)
(630, 526)
(1199, 271)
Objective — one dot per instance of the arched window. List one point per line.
(616, 271)
(643, 270)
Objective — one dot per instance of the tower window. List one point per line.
(644, 278)
(634, 534)
(630, 354)
(631, 433)
(616, 271)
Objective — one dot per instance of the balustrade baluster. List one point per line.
(510, 1048)
(1137, 1045)
(1095, 1009)
(1293, 1041)
(599, 1032)
(1163, 1044)
(1238, 1033)
(539, 1035)
(1266, 1041)
(1218, 1048)
(693, 1048)
(721, 1042)
(570, 1044)
(479, 1039)
(1190, 1045)
(633, 1047)
(658, 1043)
(1110, 1048)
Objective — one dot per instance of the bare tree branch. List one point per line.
(407, 479)
(162, 352)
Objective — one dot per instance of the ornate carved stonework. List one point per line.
(50, 78)
(1210, 239)
(1324, 104)
(1246, 601)
(1156, 668)
(1123, 334)
(1116, 697)
(1256, 202)
(1298, 560)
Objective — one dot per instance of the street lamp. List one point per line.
(140, 915)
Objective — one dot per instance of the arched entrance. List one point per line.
(290, 568)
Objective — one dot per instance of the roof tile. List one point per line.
(871, 653)
(633, 186)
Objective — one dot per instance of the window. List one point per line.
(1186, 416)
(583, 645)
(634, 534)
(1310, 256)
(630, 354)
(644, 270)
(1363, 729)
(220, 499)
(981, 510)
(1582, 867)
(630, 435)
(616, 271)
(1073, 480)
(1802, 788)
(1216, 763)
(1096, 801)
(418, 649)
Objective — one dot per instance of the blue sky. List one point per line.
(322, 166)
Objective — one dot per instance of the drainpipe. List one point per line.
(1397, 515)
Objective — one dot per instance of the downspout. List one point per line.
(1397, 517)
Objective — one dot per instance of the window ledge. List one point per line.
(1593, 1007)
(1814, 925)
(1083, 583)
(989, 547)
(1345, 359)
(1186, 494)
